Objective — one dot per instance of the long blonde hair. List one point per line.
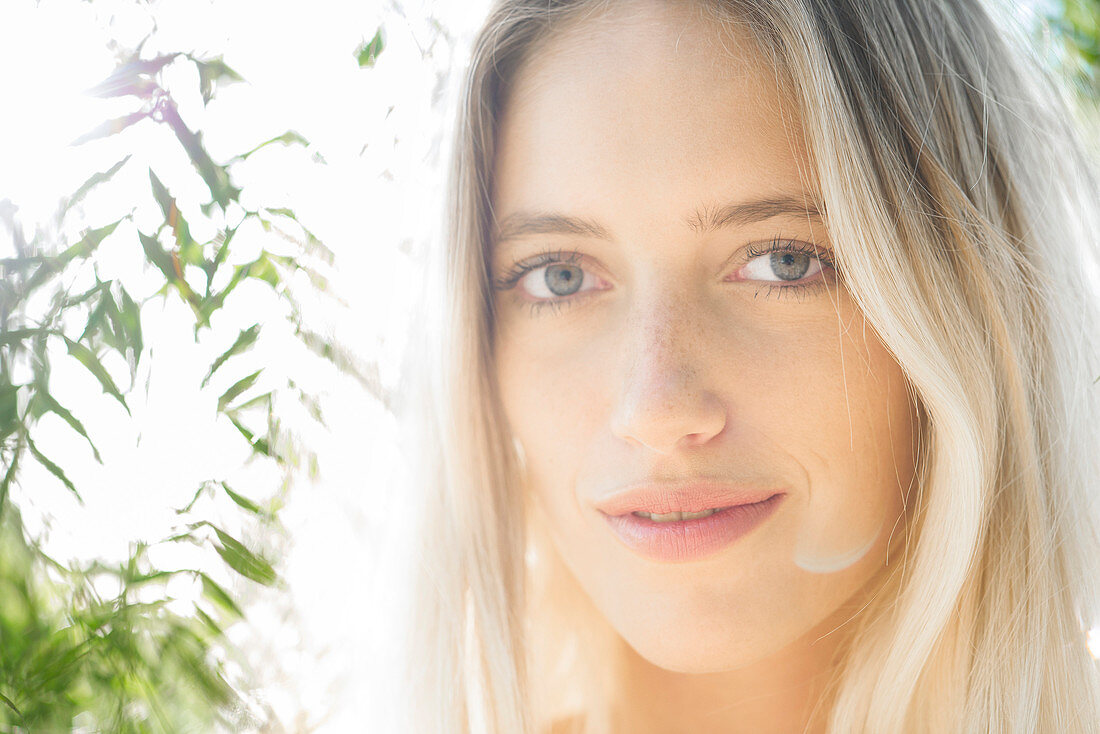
(964, 212)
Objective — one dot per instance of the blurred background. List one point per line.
(213, 220)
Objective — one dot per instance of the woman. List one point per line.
(767, 396)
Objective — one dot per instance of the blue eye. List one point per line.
(789, 262)
(782, 266)
(551, 278)
(558, 280)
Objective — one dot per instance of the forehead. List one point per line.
(648, 110)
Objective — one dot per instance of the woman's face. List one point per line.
(670, 333)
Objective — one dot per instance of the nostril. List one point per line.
(666, 423)
(694, 439)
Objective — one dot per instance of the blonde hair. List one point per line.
(964, 213)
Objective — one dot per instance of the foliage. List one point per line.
(1075, 31)
(121, 663)
(1078, 25)
(368, 52)
(98, 645)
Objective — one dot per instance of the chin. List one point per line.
(700, 655)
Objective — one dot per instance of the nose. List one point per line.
(664, 402)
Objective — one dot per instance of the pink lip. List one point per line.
(679, 541)
(694, 496)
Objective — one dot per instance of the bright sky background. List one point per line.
(383, 132)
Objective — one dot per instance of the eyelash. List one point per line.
(798, 248)
(549, 257)
(542, 259)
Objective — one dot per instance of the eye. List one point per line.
(551, 278)
(557, 280)
(784, 262)
(782, 266)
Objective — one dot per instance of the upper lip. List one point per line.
(694, 495)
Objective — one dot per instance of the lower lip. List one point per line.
(679, 541)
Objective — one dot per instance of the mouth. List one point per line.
(681, 501)
(678, 516)
(679, 537)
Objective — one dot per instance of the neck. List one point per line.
(781, 694)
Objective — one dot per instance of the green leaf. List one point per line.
(367, 53)
(241, 428)
(262, 399)
(8, 702)
(290, 137)
(345, 361)
(216, 177)
(111, 127)
(259, 445)
(313, 244)
(263, 269)
(210, 305)
(242, 560)
(248, 435)
(166, 263)
(91, 183)
(203, 489)
(132, 78)
(312, 406)
(244, 341)
(219, 596)
(210, 267)
(9, 411)
(223, 250)
(190, 252)
(130, 317)
(158, 256)
(9, 476)
(7, 338)
(187, 250)
(160, 193)
(97, 318)
(90, 241)
(61, 411)
(12, 265)
(82, 249)
(91, 362)
(146, 578)
(236, 389)
(318, 281)
(262, 447)
(242, 501)
(212, 73)
(86, 295)
(211, 625)
(52, 468)
(118, 336)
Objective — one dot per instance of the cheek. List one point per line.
(851, 412)
(552, 403)
(853, 433)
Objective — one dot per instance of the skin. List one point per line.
(683, 356)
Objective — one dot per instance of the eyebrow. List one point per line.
(706, 220)
(702, 221)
